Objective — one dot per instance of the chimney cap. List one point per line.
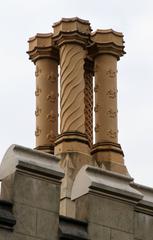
(42, 46)
(107, 36)
(107, 41)
(72, 30)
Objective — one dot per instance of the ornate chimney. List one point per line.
(80, 55)
(106, 50)
(45, 56)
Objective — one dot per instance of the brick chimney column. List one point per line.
(106, 50)
(71, 36)
(45, 57)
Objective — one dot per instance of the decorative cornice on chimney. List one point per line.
(107, 42)
(75, 23)
(41, 46)
(71, 30)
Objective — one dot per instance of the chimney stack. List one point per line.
(71, 36)
(45, 57)
(82, 57)
(106, 50)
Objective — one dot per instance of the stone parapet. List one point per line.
(146, 204)
(19, 157)
(104, 183)
(31, 180)
(107, 202)
(143, 228)
(113, 205)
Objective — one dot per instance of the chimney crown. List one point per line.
(41, 46)
(71, 30)
(107, 42)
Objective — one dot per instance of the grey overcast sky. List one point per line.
(20, 20)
